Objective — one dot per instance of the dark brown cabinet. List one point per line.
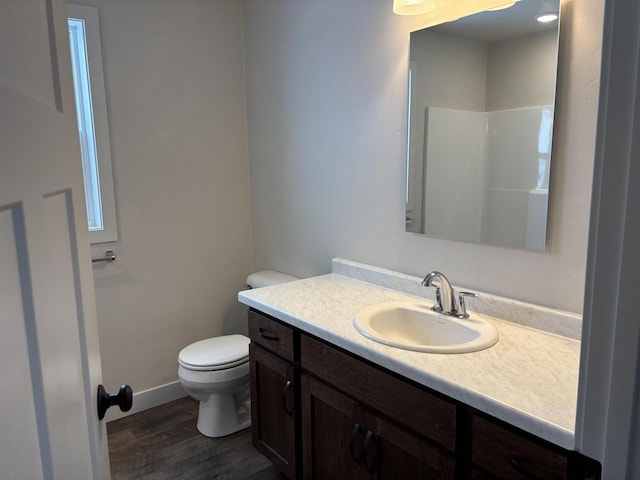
(332, 433)
(399, 454)
(273, 412)
(344, 440)
(272, 335)
(319, 412)
(503, 453)
(274, 394)
(510, 456)
(413, 408)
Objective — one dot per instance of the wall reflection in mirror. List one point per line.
(481, 97)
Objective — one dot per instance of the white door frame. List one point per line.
(607, 422)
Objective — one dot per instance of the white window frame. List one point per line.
(94, 142)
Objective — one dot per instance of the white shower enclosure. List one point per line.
(486, 177)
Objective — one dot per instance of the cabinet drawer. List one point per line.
(510, 455)
(408, 405)
(272, 335)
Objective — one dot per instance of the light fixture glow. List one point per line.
(413, 7)
(547, 17)
(501, 7)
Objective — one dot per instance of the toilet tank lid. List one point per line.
(215, 351)
(266, 278)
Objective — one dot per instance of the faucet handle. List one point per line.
(462, 308)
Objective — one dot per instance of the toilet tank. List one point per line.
(267, 278)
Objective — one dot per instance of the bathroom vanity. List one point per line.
(329, 403)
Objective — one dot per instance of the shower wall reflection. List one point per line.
(497, 170)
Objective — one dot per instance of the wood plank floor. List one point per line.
(163, 443)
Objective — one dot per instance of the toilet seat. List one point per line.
(218, 353)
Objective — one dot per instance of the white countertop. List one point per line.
(528, 379)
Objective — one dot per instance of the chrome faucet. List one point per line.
(446, 302)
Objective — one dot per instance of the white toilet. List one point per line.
(215, 372)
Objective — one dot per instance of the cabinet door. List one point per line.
(333, 433)
(273, 408)
(392, 453)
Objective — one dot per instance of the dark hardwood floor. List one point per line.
(163, 443)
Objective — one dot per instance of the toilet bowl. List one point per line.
(215, 372)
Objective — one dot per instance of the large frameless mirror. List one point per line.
(481, 106)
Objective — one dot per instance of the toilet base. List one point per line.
(220, 416)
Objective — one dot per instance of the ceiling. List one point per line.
(502, 24)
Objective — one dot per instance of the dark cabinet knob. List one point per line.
(352, 443)
(268, 335)
(287, 386)
(369, 439)
(124, 399)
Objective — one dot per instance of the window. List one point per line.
(93, 128)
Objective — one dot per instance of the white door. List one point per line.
(49, 352)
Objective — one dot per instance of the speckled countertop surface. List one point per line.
(528, 379)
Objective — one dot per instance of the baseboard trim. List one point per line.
(149, 398)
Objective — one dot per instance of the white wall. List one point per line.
(326, 92)
(175, 90)
(459, 81)
(521, 71)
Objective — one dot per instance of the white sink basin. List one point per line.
(414, 326)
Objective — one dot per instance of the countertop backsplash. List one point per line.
(558, 322)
